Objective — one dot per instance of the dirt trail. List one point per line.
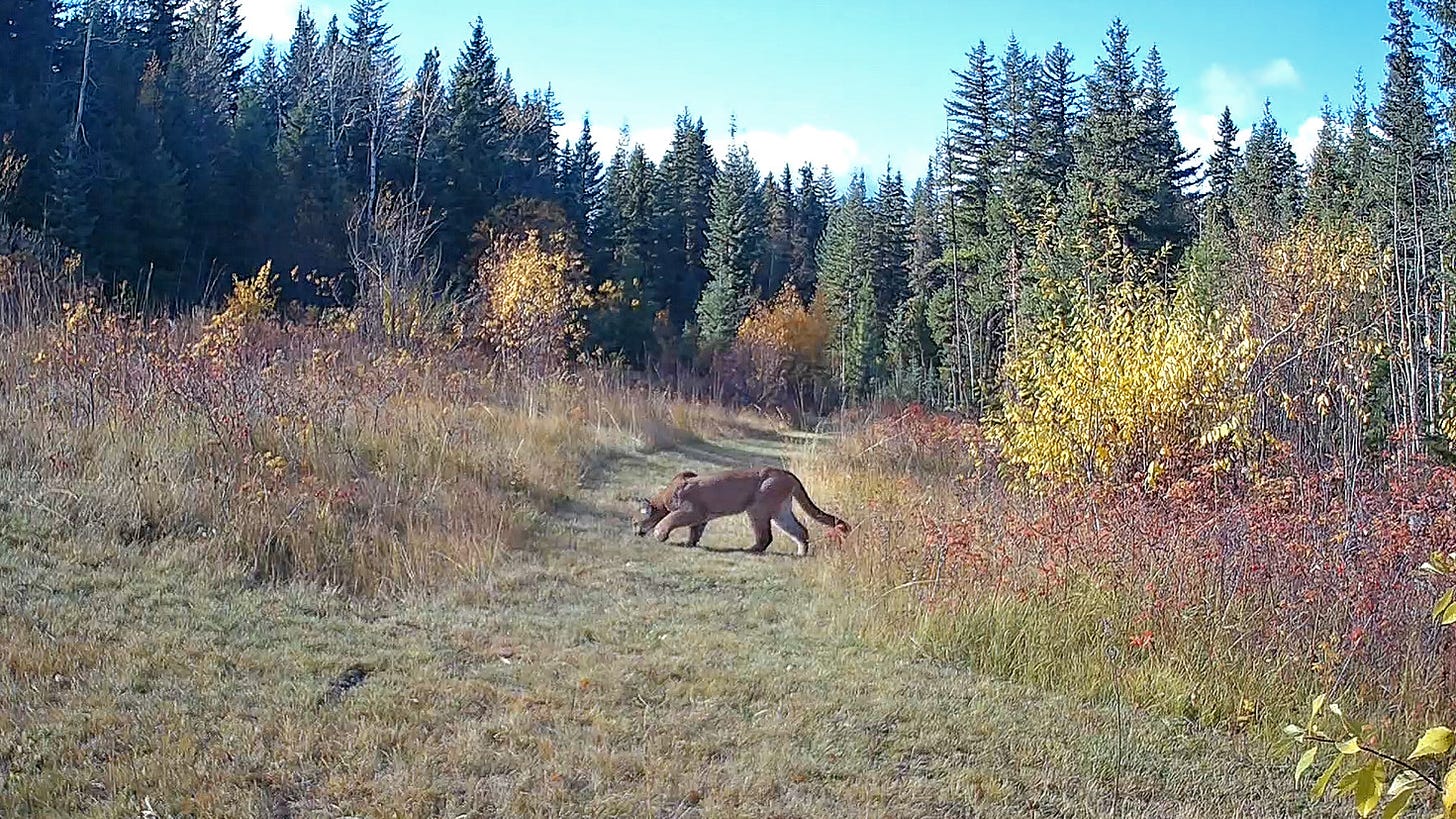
(702, 683)
(597, 674)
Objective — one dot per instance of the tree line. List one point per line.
(158, 149)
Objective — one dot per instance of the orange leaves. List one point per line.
(785, 328)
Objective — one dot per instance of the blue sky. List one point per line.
(859, 84)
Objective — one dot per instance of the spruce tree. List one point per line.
(1113, 176)
(1056, 116)
(736, 243)
(845, 290)
(1169, 222)
(581, 191)
(1267, 186)
(811, 205)
(975, 118)
(421, 155)
(1223, 165)
(684, 188)
(1329, 184)
(475, 141)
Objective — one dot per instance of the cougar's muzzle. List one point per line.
(644, 521)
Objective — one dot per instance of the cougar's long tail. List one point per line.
(807, 503)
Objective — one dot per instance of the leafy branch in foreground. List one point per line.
(1363, 768)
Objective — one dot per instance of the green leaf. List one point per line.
(1397, 806)
(1449, 617)
(1324, 781)
(1314, 708)
(1306, 759)
(1368, 788)
(1448, 792)
(1292, 730)
(1436, 742)
(1348, 746)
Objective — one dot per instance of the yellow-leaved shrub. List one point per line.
(532, 296)
(1133, 382)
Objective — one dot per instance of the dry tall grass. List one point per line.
(300, 449)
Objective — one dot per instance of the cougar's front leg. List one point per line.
(676, 519)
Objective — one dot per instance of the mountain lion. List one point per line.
(767, 495)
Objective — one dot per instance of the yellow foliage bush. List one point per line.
(1130, 384)
(785, 329)
(782, 343)
(532, 298)
(251, 301)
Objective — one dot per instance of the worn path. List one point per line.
(596, 674)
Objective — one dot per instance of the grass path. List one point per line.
(597, 675)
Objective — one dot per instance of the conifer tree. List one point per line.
(736, 244)
(1223, 165)
(421, 155)
(475, 140)
(1169, 221)
(1267, 185)
(581, 190)
(1056, 116)
(684, 188)
(811, 205)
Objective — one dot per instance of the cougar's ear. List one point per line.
(682, 476)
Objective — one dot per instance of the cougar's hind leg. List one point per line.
(762, 530)
(790, 525)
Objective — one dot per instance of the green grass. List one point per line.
(589, 673)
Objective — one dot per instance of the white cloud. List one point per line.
(263, 19)
(1279, 73)
(772, 150)
(1243, 92)
(1306, 137)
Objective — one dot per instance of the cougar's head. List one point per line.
(648, 514)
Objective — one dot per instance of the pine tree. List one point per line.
(1057, 114)
(684, 187)
(1222, 167)
(736, 244)
(1169, 222)
(475, 140)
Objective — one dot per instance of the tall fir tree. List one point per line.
(475, 141)
(1223, 166)
(684, 188)
(1169, 222)
(737, 232)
